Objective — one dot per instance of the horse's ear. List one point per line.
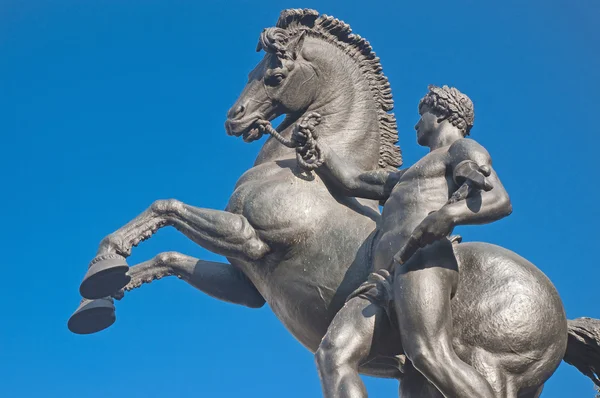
(295, 47)
(259, 45)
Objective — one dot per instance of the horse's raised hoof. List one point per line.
(107, 275)
(92, 316)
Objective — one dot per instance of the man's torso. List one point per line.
(423, 188)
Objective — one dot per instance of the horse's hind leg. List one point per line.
(219, 280)
(221, 232)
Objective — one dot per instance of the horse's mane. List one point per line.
(296, 21)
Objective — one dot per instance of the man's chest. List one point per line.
(431, 166)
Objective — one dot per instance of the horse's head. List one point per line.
(315, 63)
(284, 82)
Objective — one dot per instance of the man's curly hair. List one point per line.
(448, 103)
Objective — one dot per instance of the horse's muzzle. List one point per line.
(248, 129)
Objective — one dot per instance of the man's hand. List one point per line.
(435, 226)
(306, 129)
(304, 135)
(299, 136)
(475, 175)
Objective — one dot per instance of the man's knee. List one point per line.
(334, 354)
(328, 357)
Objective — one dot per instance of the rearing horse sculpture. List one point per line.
(302, 247)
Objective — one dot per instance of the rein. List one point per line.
(304, 139)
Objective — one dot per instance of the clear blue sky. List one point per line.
(106, 106)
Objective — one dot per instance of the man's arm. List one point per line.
(485, 204)
(485, 201)
(481, 207)
(376, 184)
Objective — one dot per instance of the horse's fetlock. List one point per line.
(113, 243)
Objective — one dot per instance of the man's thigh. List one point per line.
(423, 288)
(351, 334)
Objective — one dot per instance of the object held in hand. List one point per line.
(472, 178)
(407, 251)
(308, 153)
(469, 171)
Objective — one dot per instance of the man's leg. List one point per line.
(414, 385)
(423, 287)
(347, 343)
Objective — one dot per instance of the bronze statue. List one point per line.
(299, 241)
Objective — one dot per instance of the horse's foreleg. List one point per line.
(219, 280)
(221, 232)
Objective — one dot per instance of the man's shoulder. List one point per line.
(468, 149)
(466, 144)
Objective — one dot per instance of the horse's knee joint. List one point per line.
(167, 206)
(169, 257)
(243, 228)
(255, 249)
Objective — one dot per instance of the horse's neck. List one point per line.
(349, 126)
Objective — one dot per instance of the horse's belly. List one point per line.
(304, 310)
(308, 288)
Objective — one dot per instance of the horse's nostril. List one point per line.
(240, 110)
(236, 111)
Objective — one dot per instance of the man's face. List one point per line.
(426, 125)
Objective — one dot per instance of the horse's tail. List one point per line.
(583, 347)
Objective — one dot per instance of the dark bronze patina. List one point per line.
(389, 295)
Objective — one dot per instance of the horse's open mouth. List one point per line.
(248, 130)
(253, 134)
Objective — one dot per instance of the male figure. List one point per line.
(454, 184)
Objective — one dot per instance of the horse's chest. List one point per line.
(278, 202)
